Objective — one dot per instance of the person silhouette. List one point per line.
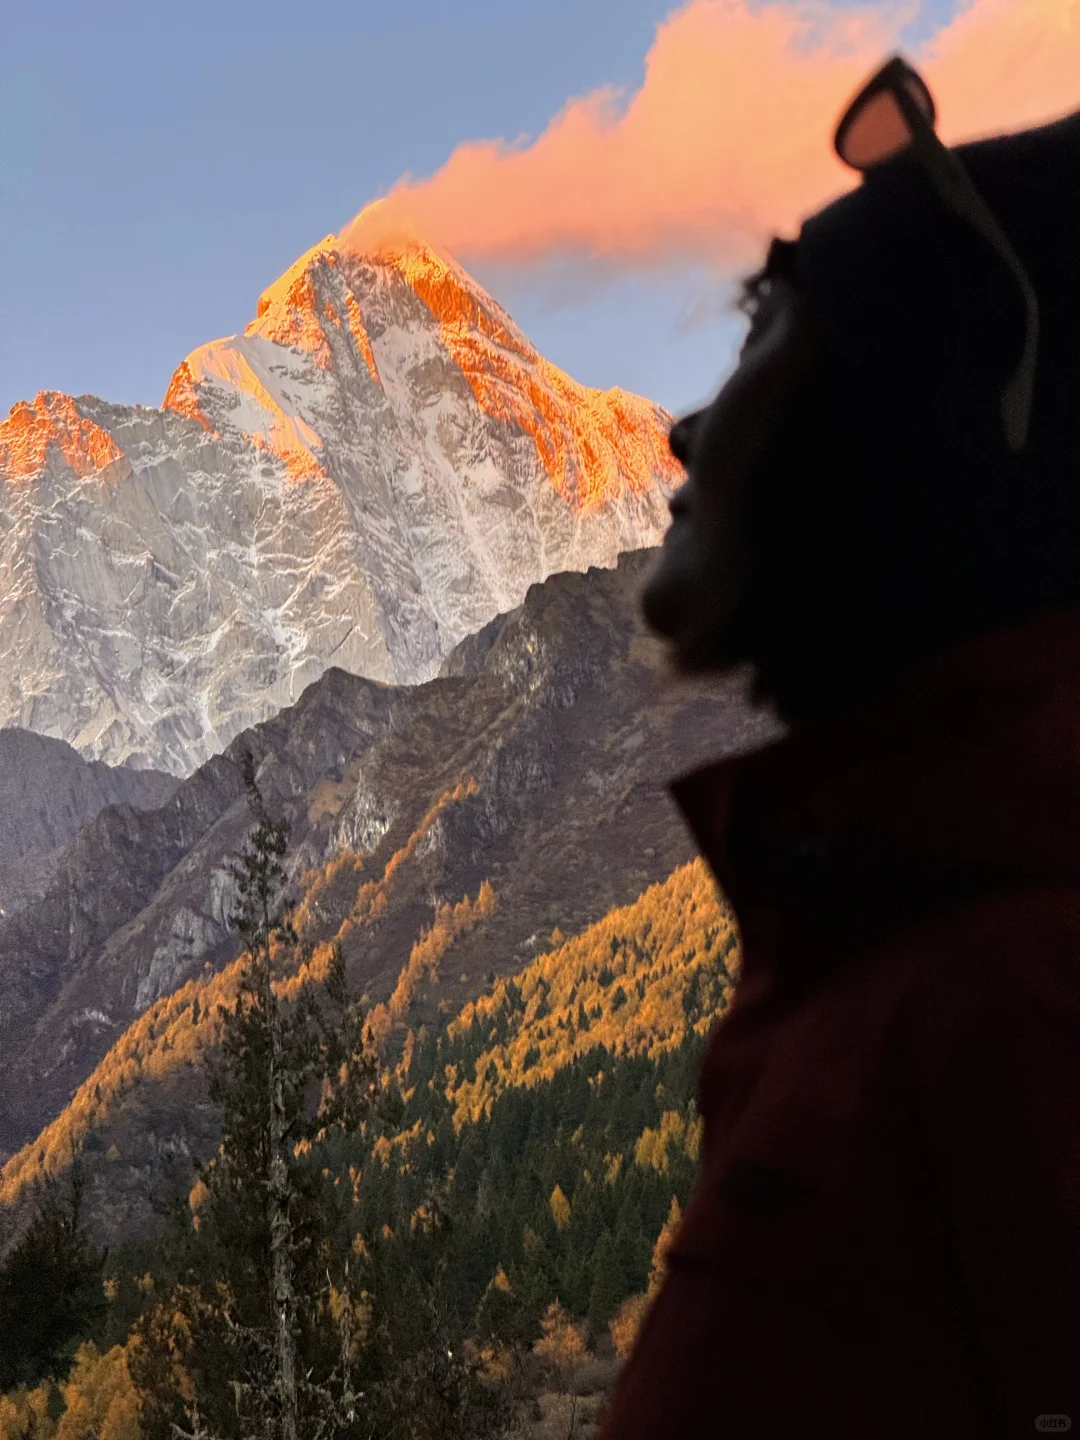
(881, 522)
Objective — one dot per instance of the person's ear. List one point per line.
(681, 438)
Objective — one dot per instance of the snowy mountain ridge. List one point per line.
(374, 469)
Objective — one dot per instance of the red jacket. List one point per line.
(885, 1239)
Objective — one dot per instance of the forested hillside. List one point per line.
(527, 1153)
(555, 1117)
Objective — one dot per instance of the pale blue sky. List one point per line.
(161, 164)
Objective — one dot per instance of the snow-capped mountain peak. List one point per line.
(379, 464)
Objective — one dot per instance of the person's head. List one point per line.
(852, 505)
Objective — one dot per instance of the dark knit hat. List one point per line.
(908, 502)
(925, 323)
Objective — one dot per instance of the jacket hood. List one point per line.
(964, 780)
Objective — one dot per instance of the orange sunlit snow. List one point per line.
(52, 419)
(289, 312)
(591, 442)
(183, 397)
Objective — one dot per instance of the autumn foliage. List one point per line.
(451, 921)
(623, 984)
(97, 1402)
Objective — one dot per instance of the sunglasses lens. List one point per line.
(875, 128)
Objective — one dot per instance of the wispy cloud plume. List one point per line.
(728, 138)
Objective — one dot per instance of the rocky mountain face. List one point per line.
(374, 469)
(47, 793)
(536, 762)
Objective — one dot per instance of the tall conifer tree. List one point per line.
(257, 1322)
(50, 1287)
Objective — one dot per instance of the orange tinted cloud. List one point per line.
(728, 139)
(1006, 64)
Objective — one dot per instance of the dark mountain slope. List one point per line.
(47, 793)
(557, 739)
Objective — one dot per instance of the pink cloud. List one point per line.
(728, 139)
(1006, 64)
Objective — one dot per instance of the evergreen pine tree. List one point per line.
(609, 1284)
(50, 1287)
(258, 1325)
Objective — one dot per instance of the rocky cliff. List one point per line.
(47, 793)
(375, 468)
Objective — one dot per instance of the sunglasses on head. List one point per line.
(895, 111)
